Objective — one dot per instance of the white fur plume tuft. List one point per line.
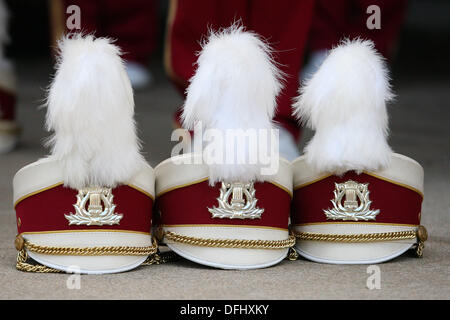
(90, 108)
(345, 103)
(234, 87)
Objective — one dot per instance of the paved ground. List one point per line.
(419, 129)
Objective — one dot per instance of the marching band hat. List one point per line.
(355, 201)
(226, 214)
(88, 206)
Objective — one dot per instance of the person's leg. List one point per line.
(187, 24)
(331, 20)
(91, 17)
(335, 20)
(285, 26)
(9, 129)
(133, 24)
(392, 15)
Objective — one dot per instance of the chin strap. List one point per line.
(420, 234)
(22, 245)
(22, 264)
(157, 257)
(230, 243)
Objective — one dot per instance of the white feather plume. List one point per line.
(345, 103)
(90, 108)
(234, 87)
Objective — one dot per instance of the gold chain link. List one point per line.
(231, 243)
(23, 265)
(421, 235)
(364, 237)
(160, 258)
(154, 256)
(419, 249)
(92, 251)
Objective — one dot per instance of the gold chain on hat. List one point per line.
(421, 235)
(364, 237)
(22, 245)
(231, 243)
(156, 257)
(23, 265)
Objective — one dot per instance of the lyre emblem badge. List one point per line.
(94, 207)
(237, 201)
(351, 202)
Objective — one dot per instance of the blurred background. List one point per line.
(418, 55)
(423, 44)
(161, 43)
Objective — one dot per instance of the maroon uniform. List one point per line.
(285, 25)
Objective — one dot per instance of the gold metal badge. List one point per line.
(351, 202)
(94, 207)
(237, 201)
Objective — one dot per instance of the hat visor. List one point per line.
(89, 264)
(229, 258)
(352, 253)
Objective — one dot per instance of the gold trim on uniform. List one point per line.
(182, 186)
(220, 225)
(205, 179)
(61, 183)
(369, 174)
(312, 181)
(282, 188)
(36, 192)
(142, 191)
(87, 230)
(395, 182)
(357, 223)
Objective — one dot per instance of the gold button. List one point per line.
(19, 222)
(19, 242)
(422, 233)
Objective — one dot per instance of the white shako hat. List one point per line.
(222, 213)
(87, 207)
(355, 201)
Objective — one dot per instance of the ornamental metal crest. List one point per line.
(94, 207)
(237, 201)
(356, 202)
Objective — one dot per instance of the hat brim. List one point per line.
(352, 253)
(229, 258)
(89, 264)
